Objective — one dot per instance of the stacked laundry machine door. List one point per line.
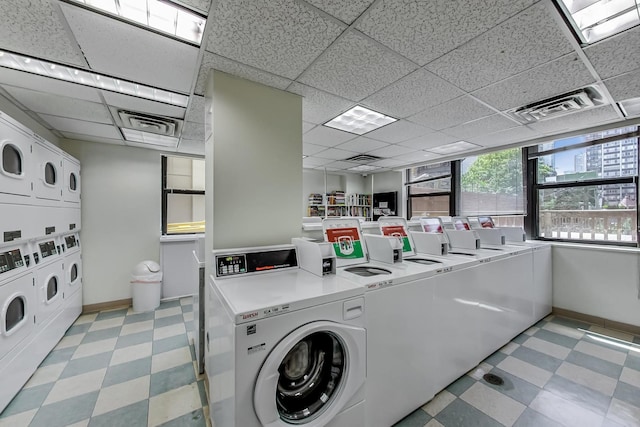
(40, 260)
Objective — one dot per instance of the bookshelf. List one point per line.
(336, 204)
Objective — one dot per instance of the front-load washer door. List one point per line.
(311, 375)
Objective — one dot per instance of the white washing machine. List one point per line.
(17, 310)
(283, 346)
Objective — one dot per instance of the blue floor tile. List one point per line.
(78, 329)
(531, 418)
(169, 320)
(86, 364)
(514, 387)
(103, 315)
(171, 343)
(578, 394)
(27, 399)
(192, 419)
(127, 371)
(139, 317)
(460, 413)
(129, 416)
(102, 334)
(520, 339)
(633, 361)
(536, 358)
(460, 385)
(170, 379)
(552, 337)
(417, 418)
(495, 358)
(168, 304)
(595, 364)
(188, 308)
(203, 393)
(134, 339)
(627, 393)
(58, 356)
(66, 412)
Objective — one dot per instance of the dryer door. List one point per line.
(311, 375)
(15, 152)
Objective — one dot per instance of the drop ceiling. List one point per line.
(448, 71)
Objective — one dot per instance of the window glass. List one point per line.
(430, 206)
(50, 174)
(183, 195)
(421, 173)
(492, 184)
(15, 313)
(73, 182)
(52, 288)
(185, 213)
(74, 273)
(429, 189)
(185, 174)
(11, 160)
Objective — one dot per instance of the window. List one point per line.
(183, 201)
(492, 184)
(15, 313)
(585, 187)
(11, 160)
(429, 190)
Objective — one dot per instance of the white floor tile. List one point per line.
(134, 352)
(170, 359)
(94, 348)
(564, 411)
(526, 371)
(75, 386)
(186, 300)
(564, 330)
(498, 406)
(478, 372)
(46, 374)
(86, 318)
(509, 348)
(70, 341)
(631, 376)
(438, 403)
(21, 419)
(433, 423)
(601, 352)
(169, 331)
(171, 311)
(624, 413)
(121, 395)
(188, 317)
(173, 404)
(83, 423)
(546, 347)
(587, 378)
(610, 333)
(134, 328)
(532, 330)
(106, 324)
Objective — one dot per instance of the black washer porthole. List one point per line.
(74, 272)
(11, 160)
(15, 313)
(52, 288)
(310, 376)
(50, 174)
(73, 182)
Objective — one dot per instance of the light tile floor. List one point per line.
(561, 372)
(117, 368)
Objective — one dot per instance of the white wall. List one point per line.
(121, 214)
(390, 181)
(599, 281)
(312, 182)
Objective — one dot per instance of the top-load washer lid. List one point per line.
(367, 270)
(425, 261)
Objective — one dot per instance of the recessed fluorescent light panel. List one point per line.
(73, 75)
(162, 16)
(149, 138)
(360, 120)
(595, 20)
(631, 107)
(454, 147)
(363, 168)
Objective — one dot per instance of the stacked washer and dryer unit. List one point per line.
(40, 258)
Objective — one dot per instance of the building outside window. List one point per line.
(183, 200)
(429, 190)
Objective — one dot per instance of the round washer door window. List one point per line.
(310, 375)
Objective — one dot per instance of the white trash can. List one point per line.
(146, 283)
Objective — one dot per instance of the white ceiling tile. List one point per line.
(615, 55)
(311, 149)
(200, 5)
(341, 165)
(279, 36)
(546, 81)
(35, 29)
(355, 67)
(388, 163)
(90, 138)
(509, 136)
(452, 113)
(485, 125)
(335, 154)
(425, 30)
(399, 131)
(318, 106)
(82, 127)
(415, 157)
(429, 140)
(527, 40)
(328, 137)
(126, 51)
(415, 92)
(48, 85)
(306, 126)
(217, 62)
(61, 106)
(391, 151)
(195, 111)
(579, 120)
(193, 131)
(312, 162)
(346, 11)
(625, 86)
(362, 144)
(188, 146)
(141, 105)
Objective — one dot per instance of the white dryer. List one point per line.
(284, 346)
(16, 172)
(72, 261)
(49, 273)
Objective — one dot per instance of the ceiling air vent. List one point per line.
(148, 123)
(578, 100)
(363, 158)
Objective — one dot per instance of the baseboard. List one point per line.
(110, 305)
(598, 321)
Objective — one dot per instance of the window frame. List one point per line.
(453, 175)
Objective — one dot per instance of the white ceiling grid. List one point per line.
(448, 71)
